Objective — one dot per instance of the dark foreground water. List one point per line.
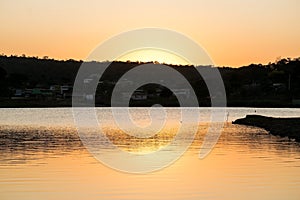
(42, 157)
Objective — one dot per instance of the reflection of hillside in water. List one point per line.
(22, 144)
(19, 144)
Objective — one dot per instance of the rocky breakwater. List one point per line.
(284, 127)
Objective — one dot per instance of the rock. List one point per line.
(284, 127)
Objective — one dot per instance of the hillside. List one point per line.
(276, 84)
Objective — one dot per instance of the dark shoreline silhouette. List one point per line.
(284, 127)
(44, 82)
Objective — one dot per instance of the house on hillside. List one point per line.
(137, 95)
(182, 92)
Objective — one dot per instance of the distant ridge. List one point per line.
(276, 84)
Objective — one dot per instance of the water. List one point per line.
(42, 157)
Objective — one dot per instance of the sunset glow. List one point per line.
(234, 33)
(148, 55)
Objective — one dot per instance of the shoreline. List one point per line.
(68, 103)
(283, 127)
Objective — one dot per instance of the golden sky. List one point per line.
(233, 32)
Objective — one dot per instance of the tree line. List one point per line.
(274, 84)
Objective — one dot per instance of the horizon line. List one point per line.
(154, 62)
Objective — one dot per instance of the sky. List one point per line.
(233, 32)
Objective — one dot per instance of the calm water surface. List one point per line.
(42, 157)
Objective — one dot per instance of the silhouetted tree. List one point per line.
(3, 83)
